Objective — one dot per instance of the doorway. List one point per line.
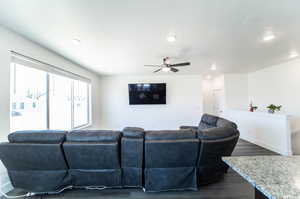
(218, 101)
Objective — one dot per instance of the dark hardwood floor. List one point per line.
(231, 187)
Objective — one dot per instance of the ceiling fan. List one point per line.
(166, 66)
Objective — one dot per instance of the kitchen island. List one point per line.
(273, 177)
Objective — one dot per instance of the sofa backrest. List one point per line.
(133, 132)
(225, 123)
(30, 149)
(216, 143)
(211, 121)
(93, 157)
(35, 157)
(132, 156)
(93, 136)
(170, 134)
(92, 149)
(167, 149)
(38, 136)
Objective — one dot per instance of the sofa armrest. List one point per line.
(189, 127)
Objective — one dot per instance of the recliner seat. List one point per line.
(215, 144)
(170, 160)
(93, 157)
(210, 121)
(35, 160)
(218, 137)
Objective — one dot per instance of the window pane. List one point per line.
(60, 102)
(28, 98)
(80, 103)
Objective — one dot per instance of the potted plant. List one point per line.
(252, 108)
(272, 108)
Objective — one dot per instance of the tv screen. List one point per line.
(147, 93)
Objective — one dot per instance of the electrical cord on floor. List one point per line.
(18, 196)
(95, 188)
(56, 192)
(33, 194)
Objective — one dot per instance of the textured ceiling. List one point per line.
(120, 36)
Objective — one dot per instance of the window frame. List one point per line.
(88, 108)
(48, 71)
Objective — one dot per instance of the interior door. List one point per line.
(218, 101)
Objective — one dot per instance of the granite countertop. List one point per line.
(277, 177)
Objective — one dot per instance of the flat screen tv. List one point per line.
(146, 93)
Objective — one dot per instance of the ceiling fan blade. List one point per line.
(157, 70)
(152, 65)
(175, 70)
(181, 64)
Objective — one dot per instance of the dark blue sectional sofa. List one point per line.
(184, 159)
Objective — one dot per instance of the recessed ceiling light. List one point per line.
(213, 67)
(165, 69)
(268, 36)
(171, 38)
(293, 54)
(76, 41)
(208, 77)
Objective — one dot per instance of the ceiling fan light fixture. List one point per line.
(166, 69)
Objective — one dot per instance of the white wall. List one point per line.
(11, 41)
(280, 85)
(276, 84)
(184, 103)
(236, 91)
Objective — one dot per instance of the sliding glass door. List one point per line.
(44, 100)
(28, 99)
(60, 102)
(81, 102)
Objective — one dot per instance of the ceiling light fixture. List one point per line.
(167, 60)
(166, 69)
(213, 67)
(76, 41)
(171, 38)
(293, 54)
(268, 36)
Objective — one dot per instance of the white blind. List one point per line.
(40, 65)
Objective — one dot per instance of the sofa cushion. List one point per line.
(170, 134)
(133, 132)
(93, 136)
(37, 136)
(195, 128)
(209, 119)
(217, 133)
(225, 123)
(203, 126)
(92, 155)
